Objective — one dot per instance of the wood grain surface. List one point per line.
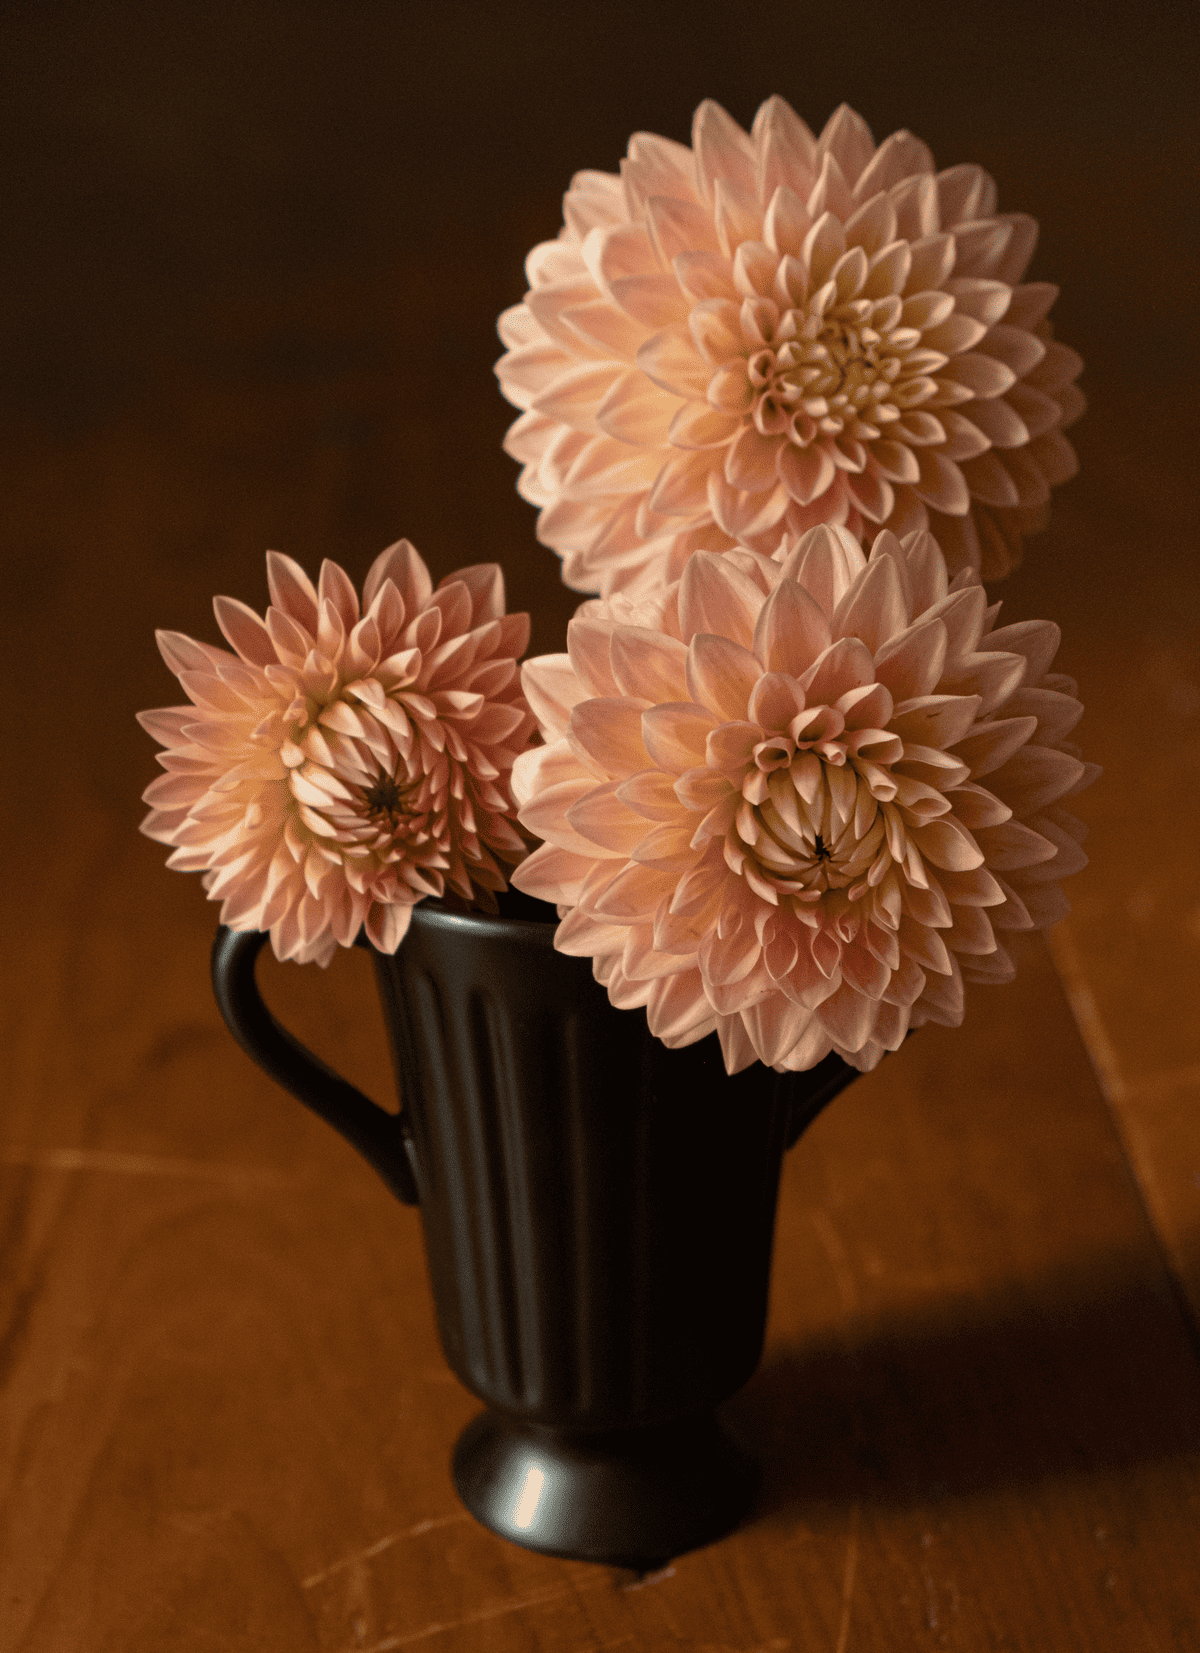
(244, 320)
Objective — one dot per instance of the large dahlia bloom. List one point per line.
(343, 762)
(800, 800)
(768, 331)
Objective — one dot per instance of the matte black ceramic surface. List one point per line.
(598, 1215)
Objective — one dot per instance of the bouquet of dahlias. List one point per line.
(785, 398)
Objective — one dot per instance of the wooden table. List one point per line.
(226, 1420)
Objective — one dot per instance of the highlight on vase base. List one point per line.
(627, 1498)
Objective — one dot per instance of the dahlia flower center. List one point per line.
(818, 829)
(387, 802)
(820, 371)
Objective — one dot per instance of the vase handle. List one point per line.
(827, 1080)
(379, 1136)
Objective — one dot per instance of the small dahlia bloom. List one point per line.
(768, 331)
(345, 761)
(800, 800)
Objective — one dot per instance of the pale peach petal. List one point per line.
(717, 598)
(791, 631)
(721, 675)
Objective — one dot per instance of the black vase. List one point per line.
(598, 1215)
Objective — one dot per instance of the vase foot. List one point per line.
(628, 1498)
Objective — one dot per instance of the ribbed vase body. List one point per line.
(598, 1210)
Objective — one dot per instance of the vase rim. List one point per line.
(537, 930)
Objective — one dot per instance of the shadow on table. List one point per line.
(1083, 1372)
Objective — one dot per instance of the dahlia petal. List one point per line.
(661, 166)
(648, 664)
(677, 1010)
(847, 1017)
(654, 301)
(982, 375)
(705, 275)
(1019, 350)
(750, 460)
(943, 484)
(597, 817)
(994, 743)
(721, 674)
(995, 968)
(961, 332)
(547, 305)
(553, 874)
(846, 138)
(675, 735)
(1036, 776)
(716, 597)
(872, 226)
(334, 587)
(1036, 411)
(721, 150)
(844, 665)
(589, 640)
(292, 591)
(581, 936)
(244, 631)
(987, 301)
(871, 492)
(822, 247)
(873, 609)
(681, 487)
(980, 247)
(831, 192)
(525, 373)
(572, 395)
(606, 466)
(517, 327)
(696, 425)
(1046, 904)
(864, 973)
(636, 890)
(898, 157)
(1014, 260)
(971, 934)
(976, 807)
(608, 731)
(651, 794)
(805, 472)
(910, 664)
(1068, 860)
(931, 259)
(776, 700)
(635, 410)
(593, 199)
(744, 515)
(825, 562)
(947, 843)
(1057, 714)
(791, 630)
(1055, 457)
(896, 461)
(965, 437)
(786, 223)
(602, 329)
(936, 719)
(1012, 846)
(915, 201)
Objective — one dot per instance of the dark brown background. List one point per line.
(253, 260)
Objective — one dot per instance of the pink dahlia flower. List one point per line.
(800, 800)
(769, 331)
(344, 762)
